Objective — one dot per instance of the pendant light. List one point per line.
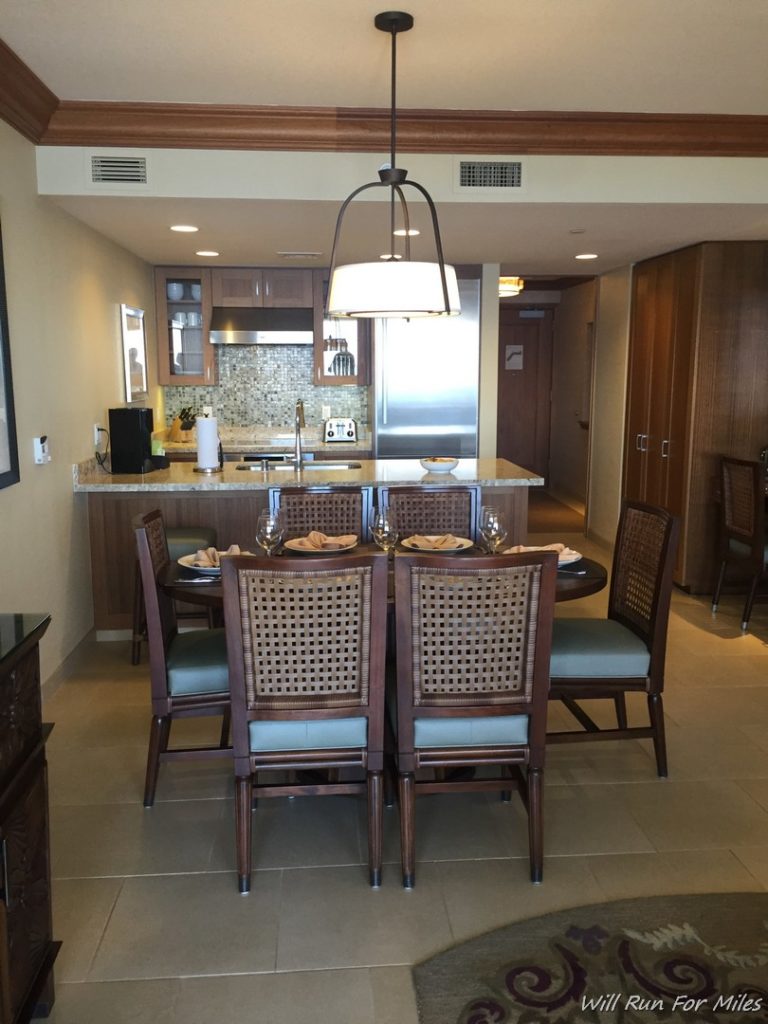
(510, 286)
(395, 285)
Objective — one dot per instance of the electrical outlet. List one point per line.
(207, 410)
(326, 412)
(97, 429)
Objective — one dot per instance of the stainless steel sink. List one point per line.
(288, 467)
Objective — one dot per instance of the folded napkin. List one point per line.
(435, 543)
(563, 552)
(316, 541)
(210, 558)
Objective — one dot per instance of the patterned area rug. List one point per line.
(676, 959)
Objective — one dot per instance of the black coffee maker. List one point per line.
(130, 440)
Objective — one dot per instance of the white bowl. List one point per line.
(439, 464)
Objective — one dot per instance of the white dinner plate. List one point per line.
(462, 545)
(293, 546)
(211, 570)
(567, 558)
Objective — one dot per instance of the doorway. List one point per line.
(525, 384)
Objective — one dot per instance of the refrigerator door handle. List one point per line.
(384, 377)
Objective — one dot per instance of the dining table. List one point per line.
(575, 580)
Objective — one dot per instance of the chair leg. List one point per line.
(718, 586)
(535, 825)
(407, 843)
(620, 701)
(656, 713)
(243, 793)
(225, 721)
(375, 827)
(138, 620)
(159, 731)
(747, 613)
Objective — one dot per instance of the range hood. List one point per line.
(261, 326)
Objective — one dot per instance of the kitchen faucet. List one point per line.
(299, 424)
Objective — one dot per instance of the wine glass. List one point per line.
(384, 528)
(492, 528)
(269, 530)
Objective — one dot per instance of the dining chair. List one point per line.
(334, 511)
(741, 540)
(182, 540)
(430, 510)
(306, 639)
(473, 645)
(625, 652)
(188, 671)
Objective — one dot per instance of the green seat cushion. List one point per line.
(186, 540)
(596, 648)
(742, 550)
(487, 731)
(308, 734)
(197, 663)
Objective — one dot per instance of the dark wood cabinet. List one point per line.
(27, 949)
(341, 347)
(252, 287)
(183, 307)
(697, 385)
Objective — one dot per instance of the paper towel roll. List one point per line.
(207, 442)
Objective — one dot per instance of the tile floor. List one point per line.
(146, 902)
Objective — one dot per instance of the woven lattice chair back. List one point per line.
(342, 511)
(433, 510)
(152, 548)
(473, 633)
(641, 556)
(306, 637)
(743, 504)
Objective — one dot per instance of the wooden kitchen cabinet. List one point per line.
(341, 347)
(183, 305)
(27, 949)
(253, 287)
(697, 385)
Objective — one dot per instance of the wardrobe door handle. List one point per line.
(639, 442)
(6, 897)
(665, 449)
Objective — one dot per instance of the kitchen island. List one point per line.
(230, 501)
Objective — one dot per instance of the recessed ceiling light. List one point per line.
(207, 252)
(586, 256)
(402, 232)
(183, 227)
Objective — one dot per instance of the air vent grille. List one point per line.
(490, 174)
(123, 170)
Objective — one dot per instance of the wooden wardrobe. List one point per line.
(697, 385)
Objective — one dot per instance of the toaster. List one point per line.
(342, 428)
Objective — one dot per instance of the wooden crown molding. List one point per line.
(26, 103)
(347, 129)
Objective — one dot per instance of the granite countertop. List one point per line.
(181, 476)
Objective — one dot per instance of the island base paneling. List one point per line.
(113, 548)
(232, 514)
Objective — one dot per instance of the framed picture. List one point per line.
(9, 452)
(134, 353)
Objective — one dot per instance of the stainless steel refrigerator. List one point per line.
(426, 381)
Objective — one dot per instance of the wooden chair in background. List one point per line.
(625, 652)
(332, 511)
(188, 671)
(306, 644)
(741, 538)
(473, 646)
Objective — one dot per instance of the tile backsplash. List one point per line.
(259, 384)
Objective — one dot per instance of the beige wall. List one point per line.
(571, 375)
(64, 285)
(608, 404)
(489, 361)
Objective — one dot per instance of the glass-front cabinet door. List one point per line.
(183, 299)
(341, 346)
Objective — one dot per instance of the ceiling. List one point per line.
(689, 56)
